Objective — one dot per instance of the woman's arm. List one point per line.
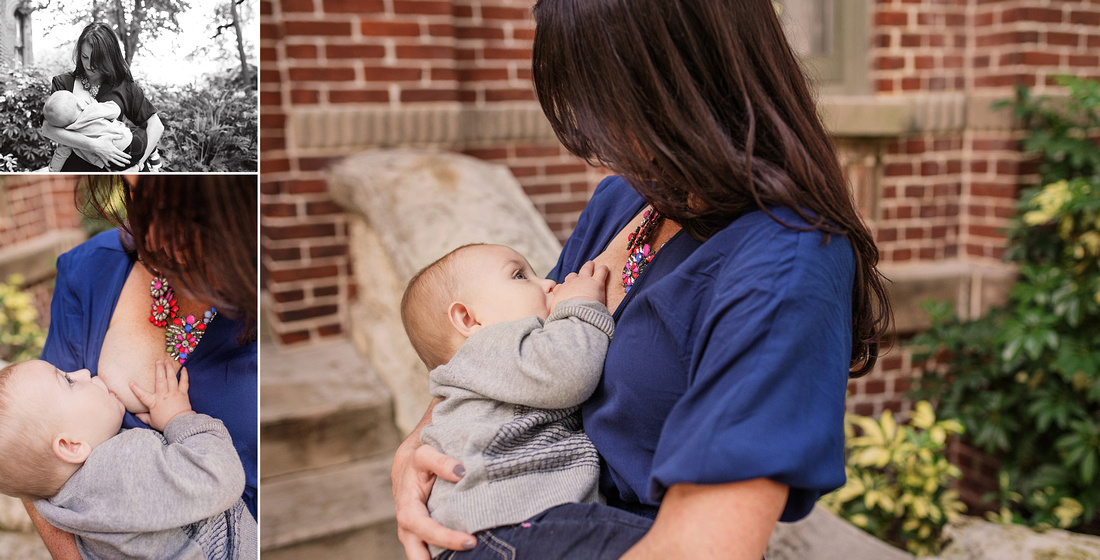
(62, 545)
(102, 146)
(154, 129)
(415, 467)
(731, 521)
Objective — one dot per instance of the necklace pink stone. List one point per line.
(182, 333)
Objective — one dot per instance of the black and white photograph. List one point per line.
(128, 86)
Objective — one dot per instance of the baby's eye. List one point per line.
(519, 275)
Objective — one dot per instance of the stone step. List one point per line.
(337, 512)
(320, 405)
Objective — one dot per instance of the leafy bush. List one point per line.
(208, 127)
(899, 483)
(23, 91)
(20, 336)
(1025, 379)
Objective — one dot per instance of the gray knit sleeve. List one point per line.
(553, 365)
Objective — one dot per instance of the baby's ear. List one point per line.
(462, 319)
(71, 451)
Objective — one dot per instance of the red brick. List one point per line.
(298, 6)
(565, 168)
(572, 206)
(306, 313)
(307, 187)
(423, 7)
(537, 151)
(478, 32)
(294, 337)
(281, 210)
(923, 62)
(891, 19)
(270, 32)
(482, 74)
(425, 52)
(355, 51)
(353, 6)
(270, 98)
(911, 40)
(279, 165)
(323, 207)
(304, 96)
(889, 63)
(326, 28)
(268, 54)
(1046, 15)
(1063, 39)
(330, 330)
(285, 297)
(525, 94)
(377, 28)
(523, 34)
(358, 96)
(390, 74)
(441, 30)
(1085, 18)
(444, 75)
(1084, 60)
(897, 169)
(302, 231)
(270, 143)
(301, 51)
(313, 164)
(313, 74)
(487, 154)
(282, 253)
(500, 12)
(305, 273)
(1041, 59)
(323, 251)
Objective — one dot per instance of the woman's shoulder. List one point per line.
(102, 251)
(63, 82)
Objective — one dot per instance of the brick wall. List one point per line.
(937, 194)
(32, 206)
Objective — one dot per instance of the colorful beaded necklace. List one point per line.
(183, 334)
(637, 244)
(88, 87)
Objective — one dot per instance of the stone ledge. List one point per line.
(343, 129)
(973, 288)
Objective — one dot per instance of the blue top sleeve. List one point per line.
(735, 348)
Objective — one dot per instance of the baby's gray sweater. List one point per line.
(145, 495)
(509, 413)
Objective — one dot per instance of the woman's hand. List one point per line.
(105, 148)
(415, 468)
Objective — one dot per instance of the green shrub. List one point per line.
(20, 336)
(23, 91)
(1025, 379)
(899, 483)
(208, 127)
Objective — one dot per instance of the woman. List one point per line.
(749, 292)
(102, 75)
(187, 246)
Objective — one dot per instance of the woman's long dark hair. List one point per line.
(197, 230)
(702, 107)
(106, 55)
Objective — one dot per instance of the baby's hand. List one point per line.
(169, 401)
(589, 283)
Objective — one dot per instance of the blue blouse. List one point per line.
(223, 374)
(730, 358)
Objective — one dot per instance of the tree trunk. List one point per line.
(245, 78)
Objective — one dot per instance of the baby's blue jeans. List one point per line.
(565, 532)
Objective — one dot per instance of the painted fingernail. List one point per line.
(461, 471)
(469, 545)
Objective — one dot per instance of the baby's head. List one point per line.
(471, 287)
(62, 108)
(50, 421)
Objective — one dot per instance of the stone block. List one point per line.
(824, 536)
(973, 290)
(407, 209)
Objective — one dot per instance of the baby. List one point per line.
(63, 109)
(512, 356)
(128, 494)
